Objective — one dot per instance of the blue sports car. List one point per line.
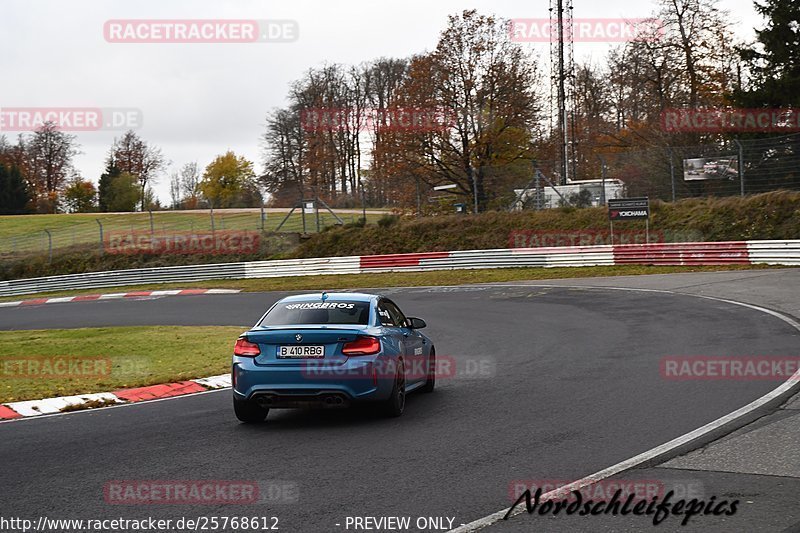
(330, 350)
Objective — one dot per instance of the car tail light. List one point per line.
(244, 348)
(362, 346)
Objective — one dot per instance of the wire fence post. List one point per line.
(263, 217)
(611, 225)
(102, 246)
(741, 166)
(152, 231)
(474, 187)
(49, 245)
(316, 211)
(602, 180)
(672, 171)
(363, 198)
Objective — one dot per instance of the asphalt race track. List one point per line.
(558, 383)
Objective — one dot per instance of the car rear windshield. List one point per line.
(312, 313)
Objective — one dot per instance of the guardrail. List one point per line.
(698, 253)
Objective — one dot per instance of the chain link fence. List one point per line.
(57, 234)
(731, 167)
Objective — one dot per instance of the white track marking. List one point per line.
(150, 295)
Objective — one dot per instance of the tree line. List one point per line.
(499, 102)
(37, 175)
(473, 113)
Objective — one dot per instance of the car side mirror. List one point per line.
(415, 323)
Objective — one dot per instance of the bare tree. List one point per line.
(284, 155)
(189, 183)
(176, 198)
(48, 164)
(490, 83)
(699, 31)
(136, 157)
(384, 77)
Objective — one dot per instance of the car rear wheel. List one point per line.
(430, 382)
(394, 406)
(249, 412)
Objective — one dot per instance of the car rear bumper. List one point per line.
(309, 386)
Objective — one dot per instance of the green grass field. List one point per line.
(116, 358)
(26, 233)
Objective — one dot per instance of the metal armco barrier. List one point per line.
(695, 253)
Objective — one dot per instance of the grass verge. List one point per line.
(407, 279)
(106, 359)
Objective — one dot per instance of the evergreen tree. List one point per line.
(775, 61)
(15, 198)
(123, 193)
(104, 188)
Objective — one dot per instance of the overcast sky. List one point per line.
(199, 100)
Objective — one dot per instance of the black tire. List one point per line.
(430, 382)
(249, 412)
(394, 406)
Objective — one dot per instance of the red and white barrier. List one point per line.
(678, 254)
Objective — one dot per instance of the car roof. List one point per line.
(337, 296)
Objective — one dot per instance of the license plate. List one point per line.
(301, 351)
